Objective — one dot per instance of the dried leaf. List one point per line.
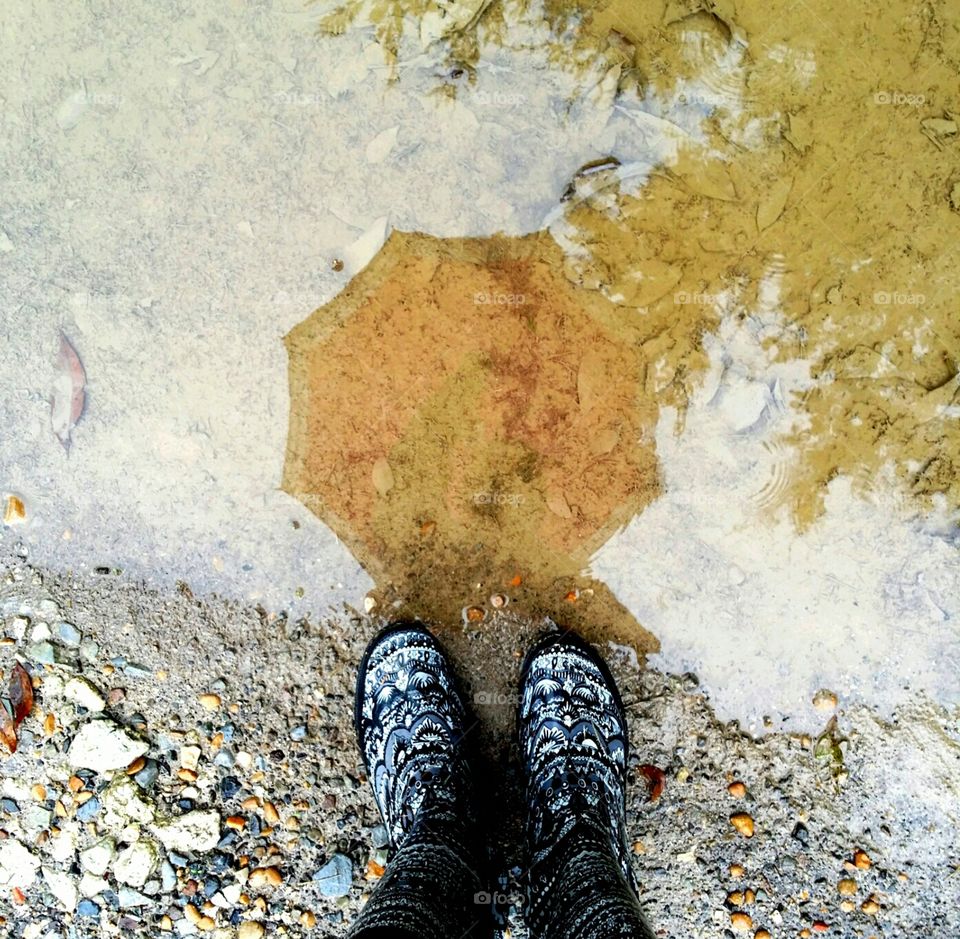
(382, 476)
(15, 705)
(656, 779)
(773, 204)
(67, 400)
(557, 503)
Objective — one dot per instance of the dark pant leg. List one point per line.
(578, 891)
(430, 887)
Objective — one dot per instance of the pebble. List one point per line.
(380, 837)
(266, 877)
(88, 908)
(210, 701)
(862, 860)
(196, 831)
(847, 887)
(85, 693)
(135, 864)
(98, 857)
(190, 757)
(737, 789)
(743, 823)
(335, 877)
(740, 922)
(250, 930)
(130, 898)
(136, 670)
(229, 787)
(102, 745)
(18, 866)
(62, 887)
(298, 733)
(825, 700)
(88, 811)
(870, 906)
(69, 634)
(147, 776)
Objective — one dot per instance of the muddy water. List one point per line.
(474, 417)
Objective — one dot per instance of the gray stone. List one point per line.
(335, 877)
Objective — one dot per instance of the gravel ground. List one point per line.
(245, 811)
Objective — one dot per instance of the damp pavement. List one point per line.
(212, 784)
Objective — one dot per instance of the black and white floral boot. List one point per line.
(411, 722)
(573, 747)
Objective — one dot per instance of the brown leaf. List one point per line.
(67, 400)
(15, 705)
(656, 779)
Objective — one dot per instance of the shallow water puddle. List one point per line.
(472, 424)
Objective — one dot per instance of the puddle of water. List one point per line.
(469, 422)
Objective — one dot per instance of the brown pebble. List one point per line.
(250, 803)
(761, 934)
(870, 906)
(740, 922)
(737, 871)
(270, 813)
(115, 696)
(166, 924)
(75, 783)
(210, 702)
(38, 791)
(186, 775)
(49, 725)
(848, 906)
(250, 930)
(862, 860)
(847, 887)
(749, 897)
(266, 877)
(735, 898)
(308, 919)
(236, 822)
(137, 765)
(743, 823)
(205, 924)
(84, 796)
(737, 789)
(192, 913)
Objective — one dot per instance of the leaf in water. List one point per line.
(649, 280)
(557, 503)
(590, 378)
(382, 476)
(357, 255)
(379, 148)
(67, 400)
(605, 441)
(15, 705)
(772, 206)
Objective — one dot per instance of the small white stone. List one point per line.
(90, 885)
(189, 757)
(96, 859)
(18, 867)
(135, 864)
(195, 831)
(62, 887)
(102, 745)
(123, 802)
(64, 846)
(40, 632)
(85, 693)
